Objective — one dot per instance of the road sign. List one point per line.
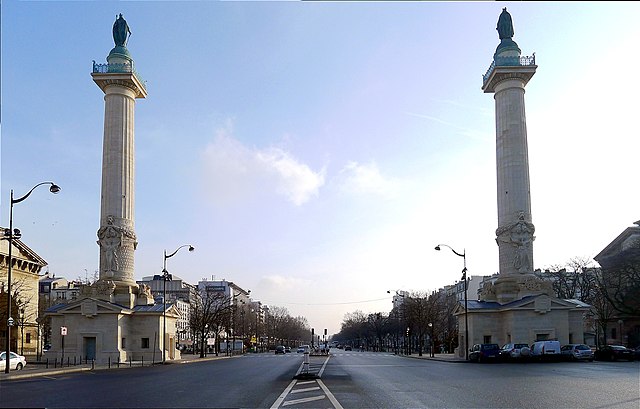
(63, 330)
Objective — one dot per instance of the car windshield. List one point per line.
(582, 347)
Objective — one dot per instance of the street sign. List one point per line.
(63, 330)
(10, 322)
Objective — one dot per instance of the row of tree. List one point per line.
(419, 318)
(217, 316)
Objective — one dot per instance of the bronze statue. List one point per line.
(505, 25)
(120, 31)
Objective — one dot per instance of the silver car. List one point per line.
(577, 352)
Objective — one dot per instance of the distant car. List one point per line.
(300, 350)
(347, 347)
(287, 350)
(485, 353)
(280, 349)
(614, 352)
(46, 348)
(576, 352)
(513, 351)
(16, 362)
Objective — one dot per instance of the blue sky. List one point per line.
(315, 153)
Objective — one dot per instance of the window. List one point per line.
(487, 339)
(28, 338)
(124, 343)
(145, 343)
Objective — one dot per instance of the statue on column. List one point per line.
(120, 31)
(505, 25)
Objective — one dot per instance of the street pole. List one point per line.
(10, 235)
(167, 277)
(464, 277)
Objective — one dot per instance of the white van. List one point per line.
(546, 349)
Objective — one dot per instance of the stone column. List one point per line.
(515, 230)
(116, 235)
(506, 78)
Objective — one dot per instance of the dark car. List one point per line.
(484, 353)
(613, 353)
(347, 347)
(280, 349)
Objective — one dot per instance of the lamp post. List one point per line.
(397, 318)
(167, 277)
(10, 235)
(464, 277)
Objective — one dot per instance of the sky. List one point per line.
(315, 153)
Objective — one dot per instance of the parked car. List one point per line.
(484, 353)
(576, 352)
(614, 352)
(347, 347)
(546, 350)
(287, 350)
(16, 362)
(513, 351)
(637, 353)
(280, 349)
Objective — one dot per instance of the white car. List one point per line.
(16, 362)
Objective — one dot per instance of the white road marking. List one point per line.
(323, 365)
(332, 398)
(283, 395)
(303, 400)
(315, 388)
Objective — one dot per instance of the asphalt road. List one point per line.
(347, 380)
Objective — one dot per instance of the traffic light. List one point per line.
(325, 332)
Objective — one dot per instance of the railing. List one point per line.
(522, 61)
(118, 67)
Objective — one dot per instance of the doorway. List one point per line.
(90, 348)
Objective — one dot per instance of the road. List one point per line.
(347, 380)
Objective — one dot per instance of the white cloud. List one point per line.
(235, 172)
(366, 179)
(294, 179)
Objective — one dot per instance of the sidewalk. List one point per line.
(437, 357)
(33, 370)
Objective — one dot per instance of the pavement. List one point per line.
(34, 370)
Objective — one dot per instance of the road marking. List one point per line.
(305, 382)
(315, 388)
(303, 400)
(283, 395)
(332, 398)
(323, 366)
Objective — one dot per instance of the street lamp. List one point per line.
(398, 294)
(167, 277)
(10, 235)
(464, 277)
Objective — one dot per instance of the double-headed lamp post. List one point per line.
(464, 278)
(167, 277)
(10, 235)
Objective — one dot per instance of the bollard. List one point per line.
(142, 360)
(47, 363)
(67, 362)
(93, 364)
(118, 361)
(109, 363)
(305, 364)
(74, 360)
(130, 362)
